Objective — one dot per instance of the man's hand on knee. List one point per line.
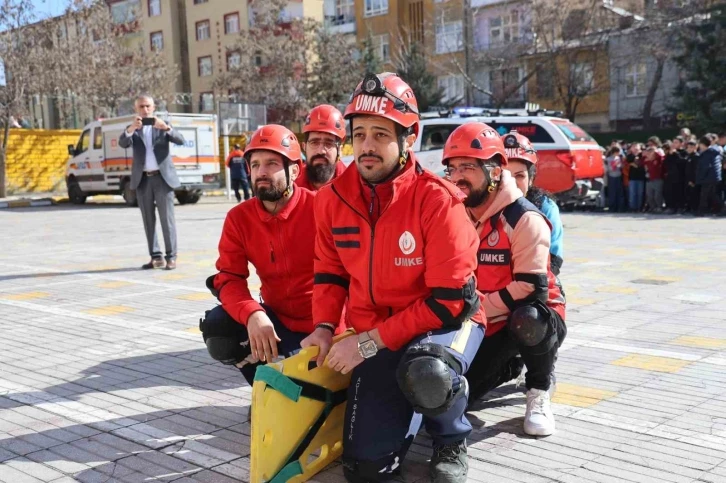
(263, 338)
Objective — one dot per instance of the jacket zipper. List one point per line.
(373, 230)
(284, 260)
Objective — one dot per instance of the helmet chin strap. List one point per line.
(492, 184)
(288, 188)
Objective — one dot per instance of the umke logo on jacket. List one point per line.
(407, 244)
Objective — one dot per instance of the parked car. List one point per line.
(570, 160)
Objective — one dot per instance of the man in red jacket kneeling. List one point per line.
(396, 242)
(275, 231)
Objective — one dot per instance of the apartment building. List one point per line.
(507, 53)
(339, 18)
(390, 23)
(446, 42)
(157, 25)
(213, 27)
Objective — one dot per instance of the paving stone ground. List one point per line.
(104, 377)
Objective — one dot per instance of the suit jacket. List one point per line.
(160, 141)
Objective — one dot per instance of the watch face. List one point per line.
(367, 349)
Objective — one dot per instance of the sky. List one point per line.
(48, 8)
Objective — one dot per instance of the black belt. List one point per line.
(151, 173)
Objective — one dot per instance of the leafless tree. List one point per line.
(94, 62)
(572, 37)
(335, 71)
(652, 42)
(23, 51)
(503, 60)
(276, 72)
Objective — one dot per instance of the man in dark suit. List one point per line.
(154, 178)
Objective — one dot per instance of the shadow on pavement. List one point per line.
(192, 368)
(65, 274)
(156, 446)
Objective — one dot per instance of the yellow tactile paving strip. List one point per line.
(580, 396)
(651, 363)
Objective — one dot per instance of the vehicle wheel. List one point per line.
(75, 193)
(187, 197)
(129, 194)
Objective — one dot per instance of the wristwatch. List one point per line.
(367, 347)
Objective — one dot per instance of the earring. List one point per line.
(491, 187)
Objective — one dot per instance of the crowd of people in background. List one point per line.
(683, 175)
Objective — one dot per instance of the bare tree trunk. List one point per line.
(648, 106)
(3, 157)
(467, 30)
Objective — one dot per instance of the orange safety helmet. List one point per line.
(385, 95)
(327, 119)
(474, 140)
(275, 138)
(519, 147)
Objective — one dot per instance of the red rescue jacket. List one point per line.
(280, 247)
(403, 252)
(304, 182)
(507, 274)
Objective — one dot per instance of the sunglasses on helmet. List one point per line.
(373, 86)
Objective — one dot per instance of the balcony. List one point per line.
(340, 24)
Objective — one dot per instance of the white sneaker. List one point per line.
(539, 420)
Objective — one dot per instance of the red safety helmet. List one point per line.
(519, 147)
(474, 140)
(385, 95)
(277, 139)
(327, 119)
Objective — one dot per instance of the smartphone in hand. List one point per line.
(148, 121)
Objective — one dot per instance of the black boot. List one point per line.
(448, 463)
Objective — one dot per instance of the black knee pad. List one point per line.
(362, 471)
(532, 326)
(224, 337)
(424, 376)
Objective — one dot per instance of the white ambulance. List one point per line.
(97, 165)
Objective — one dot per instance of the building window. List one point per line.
(545, 82)
(234, 59)
(204, 66)
(124, 12)
(97, 138)
(581, 78)
(375, 7)
(635, 77)
(206, 102)
(502, 82)
(157, 41)
(154, 8)
(504, 29)
(231, 23)
(344, 11)
(382, 46)
(62, 32)
(449, 37)
(453, 86)
(203, 30)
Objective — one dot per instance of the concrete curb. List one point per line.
(25, 203)
(57, 200)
